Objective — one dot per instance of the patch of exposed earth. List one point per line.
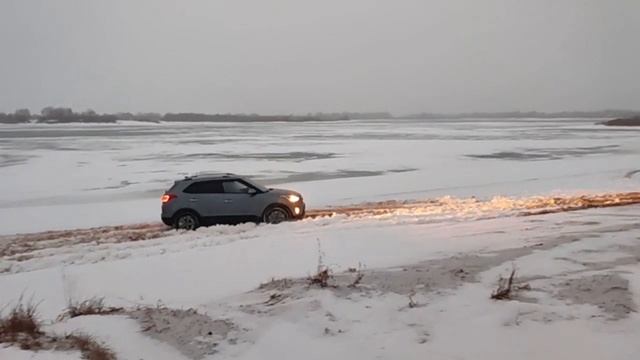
(609, 292)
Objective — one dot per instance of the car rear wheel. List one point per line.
(186, 221)
(276, 215)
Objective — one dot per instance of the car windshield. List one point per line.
(257, 185)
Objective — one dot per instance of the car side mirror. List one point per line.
(252, 192)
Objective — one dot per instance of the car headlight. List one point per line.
(293, 198)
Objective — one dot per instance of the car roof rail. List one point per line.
(208, 174)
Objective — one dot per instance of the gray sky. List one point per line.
(298, 56)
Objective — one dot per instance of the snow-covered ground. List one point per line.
(427, 271)
(582, 268)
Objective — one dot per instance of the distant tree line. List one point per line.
(52, 114)
(197, 117)
(526, 114)
(19, 116)
(67, 115)
(56, 115)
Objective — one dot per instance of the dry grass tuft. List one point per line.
(412, 302)
(275, 299)
(276, 284)
(92, 306)
(321, 278)
(21, 327)
(357, 280)
(322, 275)
(89, 347)
(21, 321)
(505, 287)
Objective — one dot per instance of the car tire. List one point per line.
(276, 214)
(186, 220)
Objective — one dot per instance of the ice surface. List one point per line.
(69, 176)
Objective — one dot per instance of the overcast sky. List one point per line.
(298, 56)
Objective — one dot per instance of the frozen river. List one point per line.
(69, 176)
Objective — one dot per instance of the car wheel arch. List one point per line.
(277, 205)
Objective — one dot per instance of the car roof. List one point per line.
(210, 176)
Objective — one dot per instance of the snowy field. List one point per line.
(408, 283)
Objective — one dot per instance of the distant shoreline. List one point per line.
(632, 121)
(51, 115)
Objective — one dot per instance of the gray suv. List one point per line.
(227, 199)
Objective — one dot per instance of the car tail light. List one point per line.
(167, 197)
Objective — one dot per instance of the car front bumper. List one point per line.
(301, 210)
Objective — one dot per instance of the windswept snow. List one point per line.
(446, 269)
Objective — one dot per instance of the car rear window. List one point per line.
(205, 187)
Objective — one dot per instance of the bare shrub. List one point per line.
(92, 306)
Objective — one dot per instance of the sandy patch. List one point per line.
(609, 292)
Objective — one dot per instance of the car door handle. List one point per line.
(193, 200)
(227, 201)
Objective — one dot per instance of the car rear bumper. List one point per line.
(167, 221)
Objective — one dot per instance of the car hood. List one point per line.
(284, 192)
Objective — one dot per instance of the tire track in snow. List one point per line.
(526, 206)
(24, 246)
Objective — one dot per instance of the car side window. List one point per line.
(235, 187)
(205, 187)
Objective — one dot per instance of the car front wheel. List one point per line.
(276, 215)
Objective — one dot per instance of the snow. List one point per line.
(215, 270)
(79, 176)
(444, 258)
(110, 330)
(13, 353)
(176, 270)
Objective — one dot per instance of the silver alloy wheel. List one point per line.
(186, 222)
(276, 215)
